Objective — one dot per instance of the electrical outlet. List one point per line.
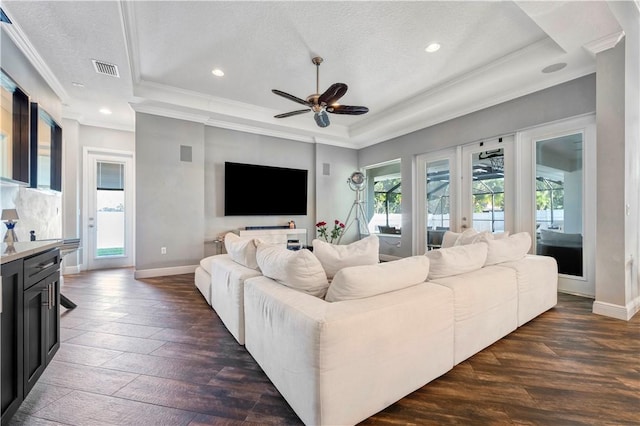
(163, 250)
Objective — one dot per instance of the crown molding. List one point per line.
(604, 43)
(131, 42)
(21, 40)
(81, 119)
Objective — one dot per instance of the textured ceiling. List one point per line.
(165, 51)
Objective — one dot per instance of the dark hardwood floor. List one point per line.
(152, 352)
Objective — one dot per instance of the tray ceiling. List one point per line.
(165, 51)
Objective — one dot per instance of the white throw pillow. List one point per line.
(515, 247)
(356, 282)
(297, 269)
(468, 236)
(449, 239)
(241, 249)
(334, 257)
(456, 260)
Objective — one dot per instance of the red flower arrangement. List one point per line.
(334, 234)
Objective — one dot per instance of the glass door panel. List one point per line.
(487, 185)
(438, 201)
(558, 200)
(487, 190)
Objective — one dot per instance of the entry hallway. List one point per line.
(152, 352)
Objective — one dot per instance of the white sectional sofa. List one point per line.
(377, 332)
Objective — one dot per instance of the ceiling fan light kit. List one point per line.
(320, 104)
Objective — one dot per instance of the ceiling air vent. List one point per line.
(105, 68)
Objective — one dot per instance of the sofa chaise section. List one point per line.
(339, 363)
(485, 305)
(226, 289)
(537, 278)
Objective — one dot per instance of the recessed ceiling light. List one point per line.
(76, 84)
(433, 47)
(217, 72)
(554, 67)
(105, 111)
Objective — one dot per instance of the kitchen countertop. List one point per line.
(26, 248)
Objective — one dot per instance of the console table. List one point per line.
(276, 236)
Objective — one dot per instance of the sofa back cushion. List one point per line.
(334, 257)
(298, 269)
(470, 236)
(456, 260)
(241, 249)
(509, 249)
(357, 282)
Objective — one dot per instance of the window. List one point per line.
(387, 198)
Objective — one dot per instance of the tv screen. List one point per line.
(254, 190)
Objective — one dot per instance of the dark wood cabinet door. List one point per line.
(52, 314)
(12, 339)
(36, 299)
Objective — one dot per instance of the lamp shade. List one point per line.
(10, 214)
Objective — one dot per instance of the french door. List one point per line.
(464, 187)
(558, 168)
(487, 196)
(538, 180)
(109, 207)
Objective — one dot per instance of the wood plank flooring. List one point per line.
(152, 352)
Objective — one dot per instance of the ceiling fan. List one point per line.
(320, 104)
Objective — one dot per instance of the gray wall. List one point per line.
(611, 177)
(228, 145)
(566, 100)
(334, 198)
(169, 193)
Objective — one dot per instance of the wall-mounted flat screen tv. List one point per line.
(255, 190)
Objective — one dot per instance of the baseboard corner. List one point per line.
(163, 272)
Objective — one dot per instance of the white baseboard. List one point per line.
(162, 272)
(624, 313)
(70, 270)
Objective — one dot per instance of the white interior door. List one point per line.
(487, 186)
(109, 218)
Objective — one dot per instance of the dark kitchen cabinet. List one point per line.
(12, 338)
(30, 324)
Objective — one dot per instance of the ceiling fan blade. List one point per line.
(291, 97)
(291, 113)
(347, 109)
(332, 94)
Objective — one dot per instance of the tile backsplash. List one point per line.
(38, 210)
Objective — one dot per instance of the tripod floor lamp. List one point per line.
(357, 215)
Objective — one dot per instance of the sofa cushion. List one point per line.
(241, 249)
(206, 262)
(357, 282)
(456, 260)
(334, 257)
(515, 247)
(298, 269)
(470, 236)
